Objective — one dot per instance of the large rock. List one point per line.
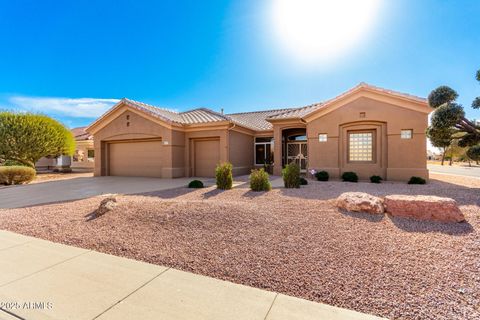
(424, 208)
(107, 204)
(360, 202)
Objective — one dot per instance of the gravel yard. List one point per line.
(291, 241)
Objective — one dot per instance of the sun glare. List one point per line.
(316, 31)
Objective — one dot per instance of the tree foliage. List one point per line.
(474, 152)
(448, 121)
(441, 95)
(27, 137)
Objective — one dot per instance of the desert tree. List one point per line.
(27, 137)
(448, 122)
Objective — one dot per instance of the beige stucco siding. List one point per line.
(131, 126)
(395, 158)
(241, 152)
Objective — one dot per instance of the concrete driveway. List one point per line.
(85, 187)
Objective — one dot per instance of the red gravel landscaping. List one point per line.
(290, 241)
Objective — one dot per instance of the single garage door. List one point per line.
(207, 156)
(135, 158)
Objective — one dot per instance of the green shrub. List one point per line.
(195, 184)
(303, 181)
(416, 180)
(16, 174)
(12, 163)
(375, 179)
(291, 176)
(350, 176)
(259, 180)
(322, 176)
(223, 176)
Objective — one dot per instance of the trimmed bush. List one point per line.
(322, 176)
(196, 184)
(224, 176)
(416, 180)
(303, 181)
(350, 176)
(16, 174)
(13, 163)
(291, 176)
(259, 180)
(375, 179)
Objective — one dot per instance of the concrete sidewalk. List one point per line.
(45, 280)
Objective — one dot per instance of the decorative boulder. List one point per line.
(424, 208)
(360, 202)
(107, 204)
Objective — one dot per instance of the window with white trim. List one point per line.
(263, 150)
(406, 134)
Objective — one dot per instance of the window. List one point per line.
(360, 146)
(322, 137)
(297, 138)
(406, 134)
(263, 150)
(91, 154)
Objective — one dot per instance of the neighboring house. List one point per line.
(83, 158)
(367, 129)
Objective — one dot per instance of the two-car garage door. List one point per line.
(135, 158)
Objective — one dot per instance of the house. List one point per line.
(83, 158)
(368, 130)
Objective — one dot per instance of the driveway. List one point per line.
(455, 170)
(85, 187)
(45, 280)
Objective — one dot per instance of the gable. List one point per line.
(374, 94)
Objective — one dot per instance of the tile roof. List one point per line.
(257, 120)
(296, 112)
(195, 116)
(80, 133)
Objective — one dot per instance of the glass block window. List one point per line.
(360, 146)
(322, 137)
(406, 134)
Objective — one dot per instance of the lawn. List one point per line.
(291, 241)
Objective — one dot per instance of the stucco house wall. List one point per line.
(396, 158)
(241, 152)
(129, 125)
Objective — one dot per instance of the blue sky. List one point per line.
(73, 59)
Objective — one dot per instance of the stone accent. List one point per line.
(360, 202)
(107, 204)
(424, 208)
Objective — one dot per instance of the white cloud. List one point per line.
(77, 108)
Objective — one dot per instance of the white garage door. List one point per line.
(135, 158)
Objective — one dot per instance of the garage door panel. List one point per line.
(207, 156)
(136, 158)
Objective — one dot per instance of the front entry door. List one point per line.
(297, 153)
